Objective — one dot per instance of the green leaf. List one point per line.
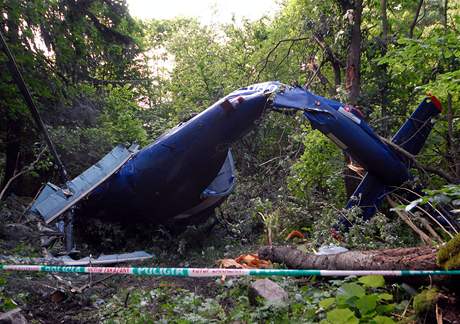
(7, 304)
(385, 309)
(326, 303)
(351, 290)
(348, 293)
(373, 281)
(382, 320)
(367, 304)
(385, 296)
(342, 316)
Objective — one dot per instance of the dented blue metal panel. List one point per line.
(414, 132)
(351, 133)
(184, 171)
(348, 131)
(53, 201)
(411, 137)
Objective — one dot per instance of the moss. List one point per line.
(425, 301)
(453, 262)
(449, 254)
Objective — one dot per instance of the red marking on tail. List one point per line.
(436, 102)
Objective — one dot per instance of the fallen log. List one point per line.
(414, 258)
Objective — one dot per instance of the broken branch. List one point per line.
(403, 215)
(23, 171)
(265, 61)
(417, 164)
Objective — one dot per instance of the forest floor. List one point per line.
(77, 298)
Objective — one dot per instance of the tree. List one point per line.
(59, 45)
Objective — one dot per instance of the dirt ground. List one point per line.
(72, 298)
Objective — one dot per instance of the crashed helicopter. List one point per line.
(188, 171)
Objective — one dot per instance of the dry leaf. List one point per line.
(295, 233)
(252, 261)
(244, 261)
(228, 263)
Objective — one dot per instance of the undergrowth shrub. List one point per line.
(318, 172)
(378, 232)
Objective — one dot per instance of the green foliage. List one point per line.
(372, 281)
(425, 301)
(446, 197)
(109, 116)
(449, 254)
(67, 53)
(119, 119)
(376, 233)
(341, 316)
(178, 305)
(313, 303)
(319, 170)
(362, 301)
(449, 194)
(25, 249)
(6, 303)
(429, 64)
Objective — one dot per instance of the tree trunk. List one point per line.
(13, 121)
(353, 78)
(414, 258)
(384, 20)
(446, 14)
(353, 75)
(415, 21)
(383, 83)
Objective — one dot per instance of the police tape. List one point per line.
(218, 272)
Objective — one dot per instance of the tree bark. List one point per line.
(383, 83)
(14, 124)
(384, 20)
(353, 75)
(446, 14)
(415, 21)
(389, 259)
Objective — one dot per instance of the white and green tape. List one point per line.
(218, 272)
